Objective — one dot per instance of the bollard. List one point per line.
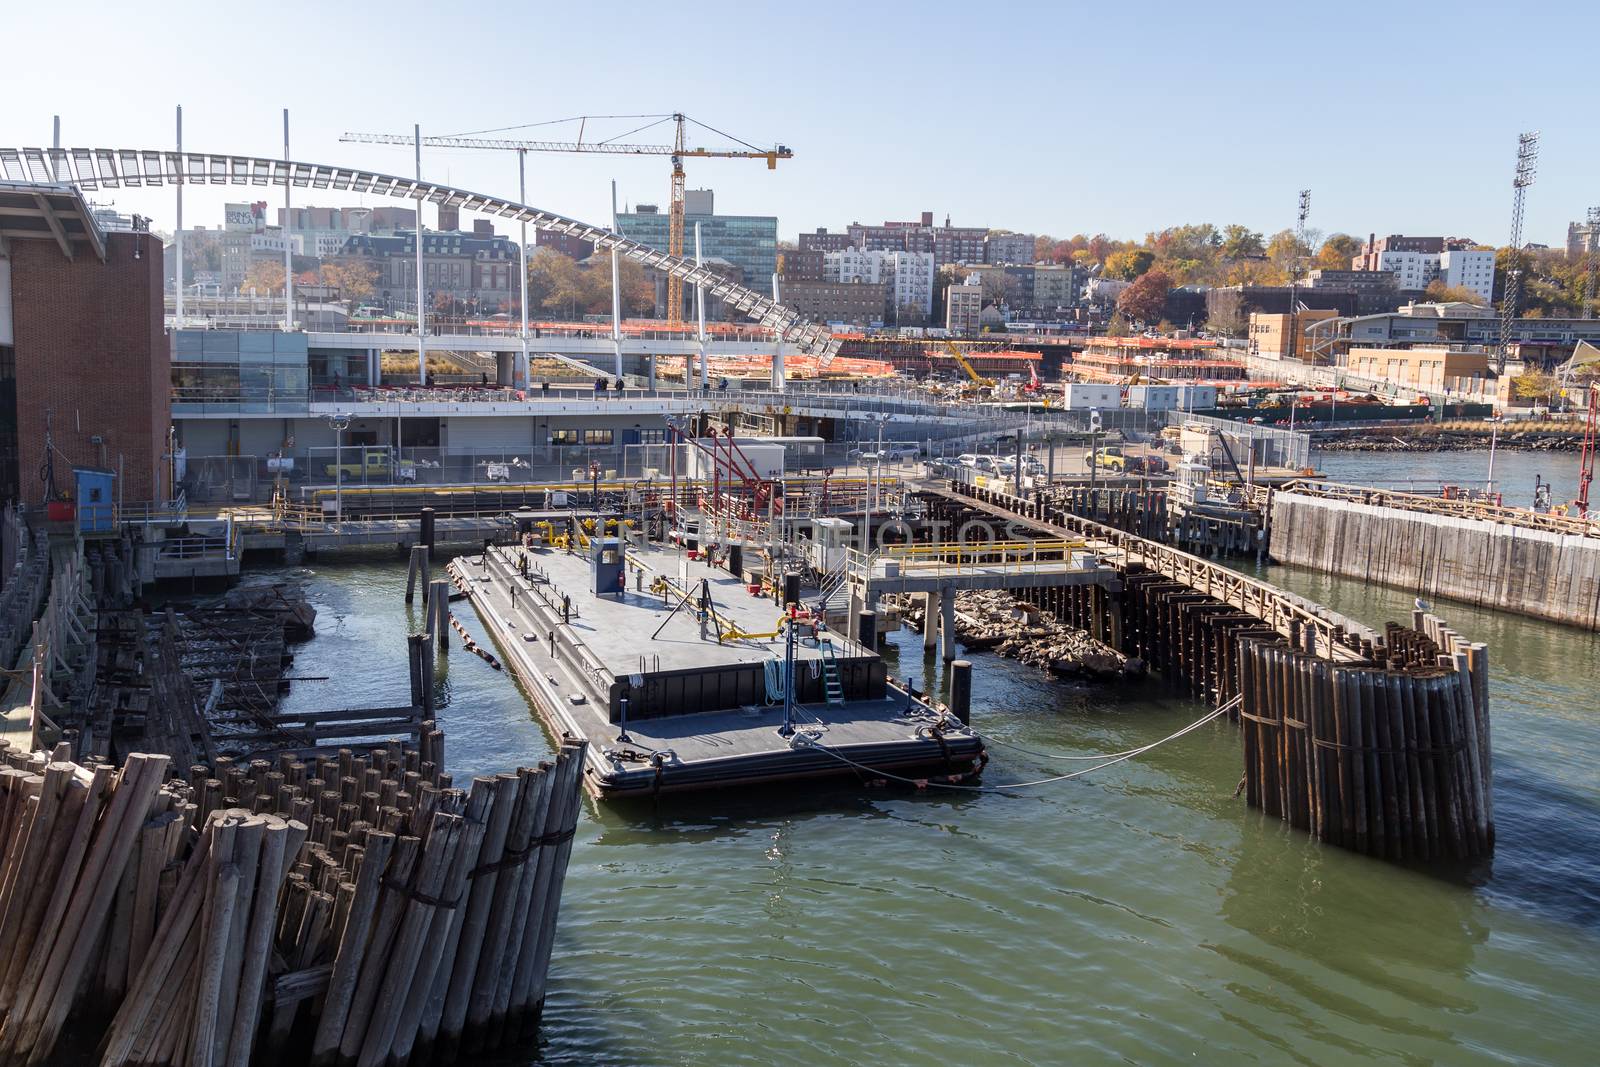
(427, 537)
(867, 629)
(961, 690)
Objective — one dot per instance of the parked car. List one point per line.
(967, 460)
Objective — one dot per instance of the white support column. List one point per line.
(55, 165)
(616, 289)
(931, 610)
(521, 376)
(422, 318)
(177, 273)
(288, 249)
(700, 313)
(777, 351)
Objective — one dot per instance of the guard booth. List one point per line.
(97, 510)
(609, 573)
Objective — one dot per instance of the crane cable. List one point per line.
(804, 739)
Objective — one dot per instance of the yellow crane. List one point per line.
(679, 150)
(978, 380)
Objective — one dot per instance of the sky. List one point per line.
(1056, 118)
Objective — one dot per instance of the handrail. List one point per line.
(1329, 632)
(1436, 505)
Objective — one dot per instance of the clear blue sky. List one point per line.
(1045, 117)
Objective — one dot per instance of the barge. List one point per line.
(675, 673)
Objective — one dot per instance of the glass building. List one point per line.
(749, 242)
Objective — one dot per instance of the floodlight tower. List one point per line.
(1594, 263)
(1527, 164)
(1294, 273)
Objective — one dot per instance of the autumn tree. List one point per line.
(265, 276)
(1337, 252)
(1440, 293)
(354, 279)
(1146, 298)
(1129, 264)
(1533, 385)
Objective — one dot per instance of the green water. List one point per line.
(1138, 915)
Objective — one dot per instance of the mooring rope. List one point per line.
(989, 740)
(806, 740)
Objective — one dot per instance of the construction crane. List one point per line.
(679, 150)
(978, 380)
(1527, 162)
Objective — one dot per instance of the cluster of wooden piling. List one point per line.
(353, 907)
(1389, 761)
(68, 834)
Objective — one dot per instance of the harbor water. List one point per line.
(1140, 913)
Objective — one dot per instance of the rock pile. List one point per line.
(993, 619)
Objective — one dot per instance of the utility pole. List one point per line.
(422, 327)
(178, 235)
(700, 312)
(616, 289)
(1527, 166)
(522, 375)
(288, 223)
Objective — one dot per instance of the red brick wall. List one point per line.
(92, 349)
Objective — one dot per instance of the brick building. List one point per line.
(82, 343)
(856, 303)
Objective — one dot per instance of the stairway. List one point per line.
(831, 686)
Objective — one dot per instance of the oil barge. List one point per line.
(679, 675)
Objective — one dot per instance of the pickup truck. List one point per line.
(373, 465)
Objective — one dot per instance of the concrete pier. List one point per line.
(1551, 574)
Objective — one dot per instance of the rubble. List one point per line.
(992, 619)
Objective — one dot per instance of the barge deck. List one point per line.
(676, 679)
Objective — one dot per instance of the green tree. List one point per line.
(1241, 242)
(1128, 264)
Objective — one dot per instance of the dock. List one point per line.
(677, 679)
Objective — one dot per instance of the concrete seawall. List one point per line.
(1489, 564)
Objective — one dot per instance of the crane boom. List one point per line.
(977, 379)
(679, 150)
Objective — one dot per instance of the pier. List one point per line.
(1509, 559)
(1375, 741)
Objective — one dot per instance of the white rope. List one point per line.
(805, 740)
(1098, 756)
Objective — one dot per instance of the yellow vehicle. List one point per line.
(1109, 458)
(373, 465)
(978, 381)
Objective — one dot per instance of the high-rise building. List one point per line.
(853, 303)
(1582, 238)
(1418, 261)
(749, 242)
(823, 241)
(1006, 247)
(963, 308)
